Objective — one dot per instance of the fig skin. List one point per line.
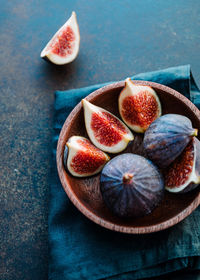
(138, 106)
(131, 185)
(193, 160)
(167, 137)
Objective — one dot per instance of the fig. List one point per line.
(167, 137)
(63, 48)
(105, 130)
(183, 175)
(83, 159)
(131, 185)
(138, 105)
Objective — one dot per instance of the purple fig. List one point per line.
(131, 185)
(167, 137)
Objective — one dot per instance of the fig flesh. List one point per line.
(63, 48)
(105, 130)
(138, 105)
(131, 185)
(167, 137)
(183, 175)
(83, 158)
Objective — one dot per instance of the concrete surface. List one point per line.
(118, 39)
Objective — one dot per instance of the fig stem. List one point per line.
(127, 177)
(195, 133)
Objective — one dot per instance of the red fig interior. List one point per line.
(63, 44)
(137, 116)
(109, 135)
(180, 170)
(88, 159)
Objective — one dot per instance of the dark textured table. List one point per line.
(118, 39)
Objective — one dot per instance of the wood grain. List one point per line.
(85, 193)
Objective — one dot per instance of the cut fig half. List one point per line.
(63, 48)
(105, 130)
(183, 175)
(139, 106)
(83, 158)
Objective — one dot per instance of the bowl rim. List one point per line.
(72, 196)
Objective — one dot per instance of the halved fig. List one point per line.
(138, 105)
(63, 48)
(167, 137)
(84, 159)
(105, 130)
(183, 175)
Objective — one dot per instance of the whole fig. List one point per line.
(131, 185)
(167, 137)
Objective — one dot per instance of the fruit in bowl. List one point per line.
(183, 175)
(106, 131)
(85, 192)
(139, 106)
(83, 159)
(131, 185)
(166, 138)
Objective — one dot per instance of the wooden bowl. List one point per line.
(85, 192)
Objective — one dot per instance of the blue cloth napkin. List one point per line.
(80, 249)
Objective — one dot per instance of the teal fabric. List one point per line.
(80, 249)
